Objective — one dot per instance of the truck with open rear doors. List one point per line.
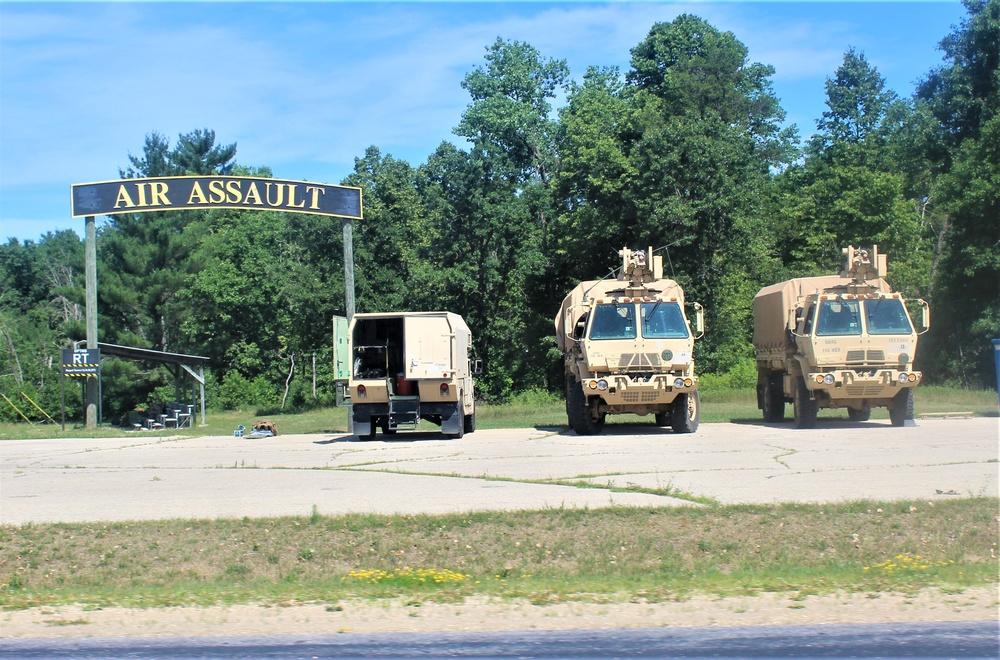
(408, 366)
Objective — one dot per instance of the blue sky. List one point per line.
(305, 87)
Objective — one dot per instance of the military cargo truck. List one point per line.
(839, 341)
(408, 366)
(628, 348)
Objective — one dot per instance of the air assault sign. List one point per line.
(206, 192)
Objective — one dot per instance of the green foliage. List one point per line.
(238, 393)
(685, 151)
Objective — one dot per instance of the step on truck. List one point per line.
(628, 348)
(408, 366)
(839, 341)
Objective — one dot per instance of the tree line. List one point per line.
(685, 151)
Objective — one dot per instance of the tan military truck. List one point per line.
(839, 341)
(628, 348)
(408, 366)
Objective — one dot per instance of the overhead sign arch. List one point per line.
(176, 193)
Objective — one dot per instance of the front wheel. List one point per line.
(901, 408)
(686, 413)
(805, 407)
(582, 418)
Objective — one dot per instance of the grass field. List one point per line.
(543, 556)
(529, 410)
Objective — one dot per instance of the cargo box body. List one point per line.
(408, 366)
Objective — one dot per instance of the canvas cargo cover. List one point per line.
(773, 304)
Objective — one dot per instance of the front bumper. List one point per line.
(861, 383)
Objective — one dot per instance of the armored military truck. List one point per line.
(408, 366)
(628, 348)
(839, 341)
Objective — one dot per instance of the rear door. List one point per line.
(428, 347)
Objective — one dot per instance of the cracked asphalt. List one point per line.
(113, 479)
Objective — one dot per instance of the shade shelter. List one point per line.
(176, 362)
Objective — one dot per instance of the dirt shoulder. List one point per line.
(980, 603)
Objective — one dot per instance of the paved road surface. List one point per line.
(140, 477)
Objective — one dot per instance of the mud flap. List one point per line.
(454, 422)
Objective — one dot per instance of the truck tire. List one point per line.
(686, 413)
(901, 408)
(578, 412)
(805, 408)
(470, 421)
(859, 414)
(774, 400)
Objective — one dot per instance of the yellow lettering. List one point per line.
(159, 194)
(252, 192)
(233, 188)
(315, 190)
(281, 194)
(291, 197)
(141, 187)
(196, 191)
(218, 195)
(123, 198)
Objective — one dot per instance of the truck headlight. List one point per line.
(678, 382)
(602, 384)
(828, 379)
(903, 378)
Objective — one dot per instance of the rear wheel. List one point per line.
(901, 408)
(470, 421)
(582, 417)
(686, 413)
(805, 407)
(774, 400)
(859, 414)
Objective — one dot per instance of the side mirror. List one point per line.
(476, 367)
(699, 320)
(925, 317)
(794, 319)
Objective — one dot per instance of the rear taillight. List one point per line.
(444, 389)
(362, 392)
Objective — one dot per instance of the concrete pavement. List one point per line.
(72, 480)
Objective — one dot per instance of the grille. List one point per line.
(639, 397)
(638, 360)
(876, 356)
(863, 390)
(855, 356)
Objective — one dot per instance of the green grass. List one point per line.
(532, 409)
(544, 556)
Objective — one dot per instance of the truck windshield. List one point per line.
(886, 316)
(613, 321)
(838, 317)
(663, 320)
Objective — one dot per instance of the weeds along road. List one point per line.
(138, 477)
